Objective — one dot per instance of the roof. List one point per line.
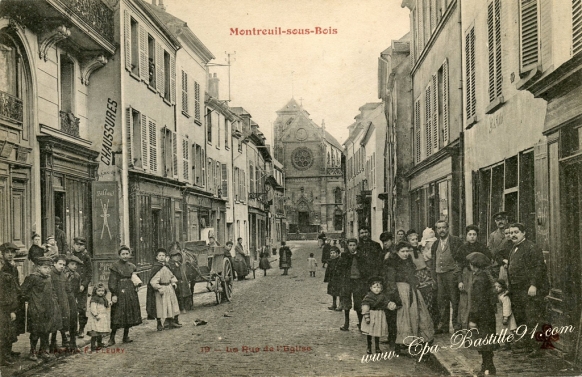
(154, 13)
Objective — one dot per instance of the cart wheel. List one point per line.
(228, 278)
(217, 289)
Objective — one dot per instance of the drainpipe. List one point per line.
(462, 209)
(125, 239)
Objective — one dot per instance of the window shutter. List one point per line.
(446, 102)
(435, 113)
(244, 185)
(217, 177)
(491, 48)
(529, 32)
(197, 102)
(174, 155)
(470, 72)
(172, 79)
(185, 92)
(160, 68)
(202, 166)
(498, 56)
(224, 181)
(428, 121)
(417, 130)
(143, 56)
(576, 26)
(127, 38)
(144, 142)
(128, 122)
(153, 145)
(186, 158)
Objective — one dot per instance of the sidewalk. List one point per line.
(462, 362)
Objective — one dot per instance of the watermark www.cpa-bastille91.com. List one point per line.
(281, 31)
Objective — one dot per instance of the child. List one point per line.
(74, 281)
(311, 264)
(482, 310)
(61, 288)
(333, 277)
(164, 282)
(125, 309)
(43, 315)
(373, 306)
(264, 262)
(505, 318)
(51, 248)
(98, 323)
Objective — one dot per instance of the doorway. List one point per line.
(303, 222)
(155, 229)
(572, 237)
(60, 209)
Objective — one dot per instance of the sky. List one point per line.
(332, 74)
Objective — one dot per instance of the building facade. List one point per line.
(313, 174)
(436, 179)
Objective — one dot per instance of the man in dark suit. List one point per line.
(528, 282)
(371, 252)
(447, 268)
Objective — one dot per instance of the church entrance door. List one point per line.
(303, 220)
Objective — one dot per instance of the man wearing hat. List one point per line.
(495, 242)
(86, 272)
(12, 312)
(61, 237)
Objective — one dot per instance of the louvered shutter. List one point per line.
(160, 85)
(470, 72)
(144, 141)
(172, 79)
(417, 130)
(498, 56)
(446, 102)
(244, 185)
(153, 145)
(174, 155)
(428, 121)
(128, 122)
(127, 39)
(185, 92)
(491, 49)
(435, 113)
(186, 159)
(529, 33)
(197, 114)
(224, 181)
(143, 55)
(576, 26)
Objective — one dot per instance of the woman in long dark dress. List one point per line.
(465, 284)
(125, 309)
(284, 258)
(482, 312)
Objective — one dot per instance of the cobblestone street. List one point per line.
(286, 315)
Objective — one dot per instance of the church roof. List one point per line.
(292, 105)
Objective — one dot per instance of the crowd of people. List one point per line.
(408, 287)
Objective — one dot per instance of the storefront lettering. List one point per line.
(495, 121)
(108, 131)
(104, 192)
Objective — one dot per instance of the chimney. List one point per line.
(213, 86)
(162, 6)
(155, 3)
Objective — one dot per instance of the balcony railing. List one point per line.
(69, 123)
(11, 107)
(95, 13)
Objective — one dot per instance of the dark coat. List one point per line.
(455, 244)
(85, 270)
(74, 282)
(126, 312)
(325, 253)
(180, 272)
(61, 240)
(344, 269)
(35, 252)
(43, 312)
(9, 303)
(333, 277)
(527, 267)
(373, 256)
(483, 306)
(21, 310)
(61, 288)
(285, 256)
(151, 293)
(468, 248)
(398, 270)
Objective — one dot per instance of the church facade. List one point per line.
(313, 161)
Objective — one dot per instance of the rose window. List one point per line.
(302, 158)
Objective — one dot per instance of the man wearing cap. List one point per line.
(10, 327)
(86, 272)
(74, 282)
(61, 237)
(496, 238)
(528, 282)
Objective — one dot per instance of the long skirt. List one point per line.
(412, 319)
(126, 312)
(377, 326)
(465, 298)
(264, 264)
(427, 290)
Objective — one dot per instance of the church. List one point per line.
(314, 174)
